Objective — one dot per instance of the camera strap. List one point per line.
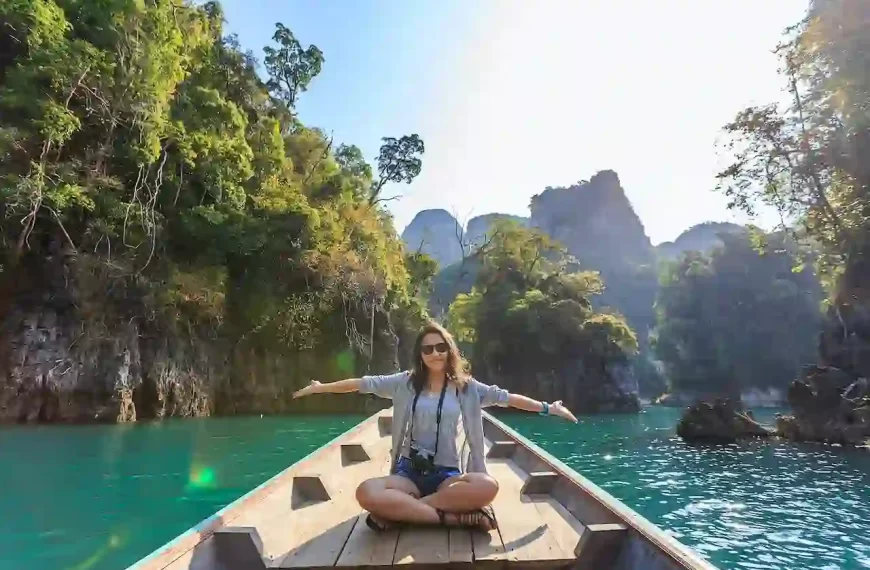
(437, 415)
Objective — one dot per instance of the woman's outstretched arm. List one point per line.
(338, 387)
(521, 402)
(495, 396)
(384, 386)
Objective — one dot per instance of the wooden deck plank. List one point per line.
(285, 530)
(488, 547)
(180, 547)
(461, 546)
(316, 535)
(313, 538)
(525, 534)
(322, 547)
(424, 545)
(565, 528)
(366, 547)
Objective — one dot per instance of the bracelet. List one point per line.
(546, 410)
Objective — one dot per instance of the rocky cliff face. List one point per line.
(702, 237)
(437, 234)
(595, 221)
(62, 370)
(70, 354)
(598, 225)
(79, 347)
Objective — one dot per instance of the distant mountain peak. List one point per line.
(701, 237)
(436, 233)
(593, 215)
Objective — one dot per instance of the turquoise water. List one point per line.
(757, 505)
(101, 497)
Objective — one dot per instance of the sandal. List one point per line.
(375, 526)
(490, 516)
(473, 519)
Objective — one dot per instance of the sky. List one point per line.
(512, 96)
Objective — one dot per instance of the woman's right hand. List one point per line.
(310, 389)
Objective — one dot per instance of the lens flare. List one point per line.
(115, 540)
(345, 361)
(202, 478)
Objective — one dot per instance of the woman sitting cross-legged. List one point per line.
(427, 483)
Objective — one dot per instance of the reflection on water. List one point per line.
(756, 505)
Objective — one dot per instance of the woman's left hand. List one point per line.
(557, 409)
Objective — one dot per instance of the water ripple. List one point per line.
(754, 506)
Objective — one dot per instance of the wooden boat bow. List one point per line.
(307, 517)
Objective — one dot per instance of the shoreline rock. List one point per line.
(720, 421)
(828, 405)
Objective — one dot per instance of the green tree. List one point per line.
(148, 175)
(291, 68)
(354, 167)
(737, 319)
(809, 161)
(528, 324)
(399, 161)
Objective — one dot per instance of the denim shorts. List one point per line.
(427, 483)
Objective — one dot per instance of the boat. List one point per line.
(548, 516)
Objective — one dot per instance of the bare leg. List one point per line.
(462, 496)
(464, 493)
(394, 498)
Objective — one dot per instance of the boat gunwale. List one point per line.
(202, 531)
(206, 527)
(679, 552)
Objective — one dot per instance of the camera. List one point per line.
(422, 461)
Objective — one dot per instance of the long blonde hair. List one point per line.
(457, 367)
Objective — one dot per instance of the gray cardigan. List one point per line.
(472, 399)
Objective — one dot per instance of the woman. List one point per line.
(428, 482)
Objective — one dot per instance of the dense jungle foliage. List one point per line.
(140, 141)
(152, 171)
(739, 318)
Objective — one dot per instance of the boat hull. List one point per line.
(307, 517)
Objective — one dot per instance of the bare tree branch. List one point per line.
(322, 157)
(62, 228)
(380, 200)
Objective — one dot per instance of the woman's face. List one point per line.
(433, 349)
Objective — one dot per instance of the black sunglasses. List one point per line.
(428, 348)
